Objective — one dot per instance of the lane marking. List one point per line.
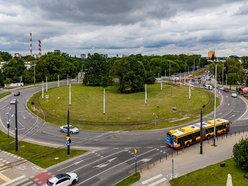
(78, 162)
(88, 163)
(131, 159)
(151, 179)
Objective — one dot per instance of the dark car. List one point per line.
(17, 93)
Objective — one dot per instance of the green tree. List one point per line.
(244, 60)
(96, 69)
(130, 73)
(14, 70)
(5, 56)
(240, 154)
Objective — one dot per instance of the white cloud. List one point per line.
(125, 27)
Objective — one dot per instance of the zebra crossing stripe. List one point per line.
(158, 182)
(151, 179)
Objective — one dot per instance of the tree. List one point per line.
(244, 60)
(96, 69)
(240, 153)
(130, 73)
(5, 56)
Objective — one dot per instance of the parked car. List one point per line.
(73, 130)
(234, 95)
(17, 93)
(63, 179)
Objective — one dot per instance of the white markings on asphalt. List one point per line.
(105, 164)
(78, 162)
(14, 180)
(88, 163)
(151, 179)
(231, 116)
(158, 182)
(23, 116)
(131, 159)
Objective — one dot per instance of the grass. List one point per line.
(123, 111)
(4, 94)
(37, 154)
(129, 180)
(212, 175)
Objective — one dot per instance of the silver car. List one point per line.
(73, 130)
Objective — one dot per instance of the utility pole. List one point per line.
(70, 93)
(58, 80)
(145, 93)
(42, 90)
(104, 101)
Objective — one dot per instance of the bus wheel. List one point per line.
(187, 144)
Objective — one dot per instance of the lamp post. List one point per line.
(14, 102)
(68, 132)
(201, 152)
(215, 90)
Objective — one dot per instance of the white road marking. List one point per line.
(89, 163)
(105, 164)
(158, 182)
(13, 181)
(131, 159)
(151, 179)
(78, 162)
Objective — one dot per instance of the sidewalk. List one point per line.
(190, 160)
(14, 169)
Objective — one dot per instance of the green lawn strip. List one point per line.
(4, 94)
(129, 180)
(37, 154)
(213, 175)
(123, 111)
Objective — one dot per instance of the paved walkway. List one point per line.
(189, 160)
(14, 170)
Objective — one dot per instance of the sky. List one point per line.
(124, 27)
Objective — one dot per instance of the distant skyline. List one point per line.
(125, 26)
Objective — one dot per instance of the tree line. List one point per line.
(129, 73)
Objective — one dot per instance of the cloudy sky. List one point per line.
(125, 26)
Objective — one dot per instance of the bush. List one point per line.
(240, 152)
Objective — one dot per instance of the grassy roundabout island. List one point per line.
(123, 111)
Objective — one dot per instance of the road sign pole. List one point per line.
(68, 131)
(16, 128)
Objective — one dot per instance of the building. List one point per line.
(57, 51)
(211, 54)
(83, 56)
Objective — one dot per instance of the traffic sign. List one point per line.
(67, 143)
(135, 151)
(67, 138)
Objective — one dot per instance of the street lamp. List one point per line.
(215, 90)
(201, 152)
(14, 102)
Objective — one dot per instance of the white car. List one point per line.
(234, 95)
(73, 130)
(63, 179)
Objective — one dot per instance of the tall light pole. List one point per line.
(14, 102)
(201, 139)
(34, 72)
(215, 91)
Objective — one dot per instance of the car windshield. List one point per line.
(49, 183)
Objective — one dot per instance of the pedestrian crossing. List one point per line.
(155, 181)
(37, 180)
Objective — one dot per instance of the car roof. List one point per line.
(58, 176)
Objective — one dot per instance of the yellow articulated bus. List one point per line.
(188, 135)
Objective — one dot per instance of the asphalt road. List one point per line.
(111, 157)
